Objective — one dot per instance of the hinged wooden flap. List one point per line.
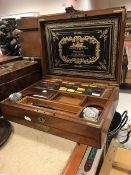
(84, 44)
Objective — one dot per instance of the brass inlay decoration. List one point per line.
(102, 66)
(76, 15)
(79, 47)
(43, 127)
(55, 35)
(103, 33)
(77, 36)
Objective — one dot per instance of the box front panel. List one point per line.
(64, 128)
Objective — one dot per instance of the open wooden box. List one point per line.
(81, 63)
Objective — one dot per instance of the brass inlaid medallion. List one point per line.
(78, 46)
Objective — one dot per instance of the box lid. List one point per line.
(85, 44)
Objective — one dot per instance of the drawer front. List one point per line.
(57, 126)
(58, 132)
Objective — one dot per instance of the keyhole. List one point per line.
(41, 120)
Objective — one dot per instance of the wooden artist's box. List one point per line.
(81, 63)
(16, 74)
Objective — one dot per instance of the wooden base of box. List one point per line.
(61, 113)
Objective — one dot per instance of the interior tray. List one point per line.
(33, 91)
(50, 106)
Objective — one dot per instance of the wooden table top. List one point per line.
(32, 152)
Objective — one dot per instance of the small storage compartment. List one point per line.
(39, 93)
(95, 101)
(52, 106)
(72, 99)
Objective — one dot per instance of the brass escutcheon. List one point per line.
(41, 119)
(43, 128)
